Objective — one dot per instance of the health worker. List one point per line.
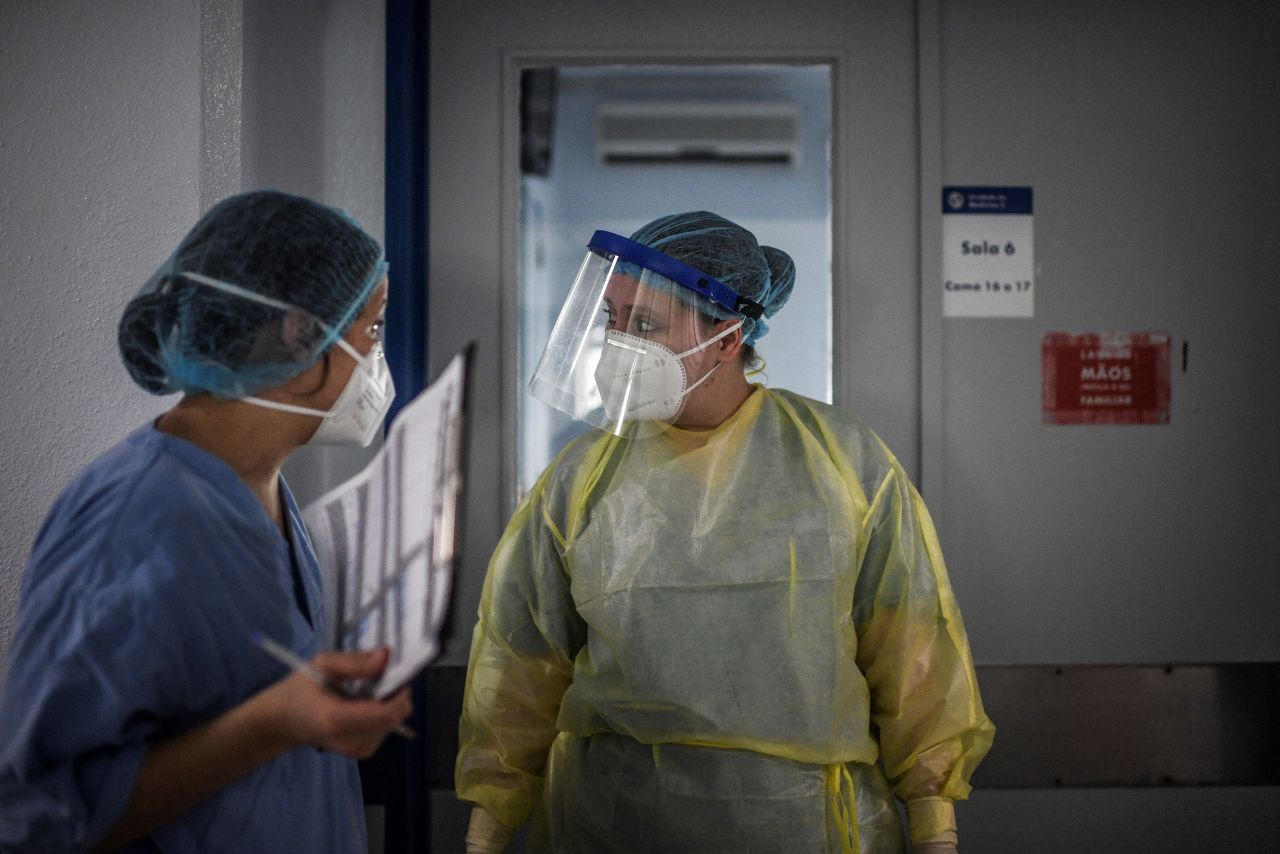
(721, 621)
(139, 714)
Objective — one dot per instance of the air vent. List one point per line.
(698, 133)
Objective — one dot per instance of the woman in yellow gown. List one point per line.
(722, 622)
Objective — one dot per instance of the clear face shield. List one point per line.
(633, 341)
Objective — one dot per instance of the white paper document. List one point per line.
(386, 538)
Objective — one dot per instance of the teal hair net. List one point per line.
(310, 267)
(721, 248)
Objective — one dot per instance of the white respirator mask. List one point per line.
(358, 412)
(642, 380)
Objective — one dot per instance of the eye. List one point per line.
(645, 326)
(377, 329)
(611, 317)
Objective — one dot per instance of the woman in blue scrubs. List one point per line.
(138, 712)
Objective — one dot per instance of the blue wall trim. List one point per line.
(395, 776)
(406, 194)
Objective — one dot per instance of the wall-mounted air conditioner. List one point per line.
(698, 133)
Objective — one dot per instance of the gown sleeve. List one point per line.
(521, 664)
(912, 646)
(92, 682)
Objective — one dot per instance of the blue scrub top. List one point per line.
(145, 585)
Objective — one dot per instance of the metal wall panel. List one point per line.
(1069, 726)
(1175, 725)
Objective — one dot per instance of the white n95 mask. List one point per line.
(642, 380)
(359, 410)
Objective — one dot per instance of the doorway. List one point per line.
(614, 146)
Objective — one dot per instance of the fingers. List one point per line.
(356, 727)
(300, 711)
(352, 665)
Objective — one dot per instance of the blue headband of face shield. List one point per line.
(677, 271)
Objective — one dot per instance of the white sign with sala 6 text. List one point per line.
(988, 258)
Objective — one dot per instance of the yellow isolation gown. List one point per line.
(741, 639)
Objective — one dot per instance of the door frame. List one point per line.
(513, 63)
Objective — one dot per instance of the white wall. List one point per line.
(105, 162)
(100, 165)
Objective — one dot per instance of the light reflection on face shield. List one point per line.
(632, 307)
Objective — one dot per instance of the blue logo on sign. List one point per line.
(986, 200)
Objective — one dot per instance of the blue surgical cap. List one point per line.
(310, 267)
(723, 249)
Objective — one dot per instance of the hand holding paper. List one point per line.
(358, 664)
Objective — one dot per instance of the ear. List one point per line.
(730, 346)
(310, 381)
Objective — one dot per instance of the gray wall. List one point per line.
(1150, 133)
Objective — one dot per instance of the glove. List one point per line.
(933, 822)
(485, 834)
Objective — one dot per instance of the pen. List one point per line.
(286, 656)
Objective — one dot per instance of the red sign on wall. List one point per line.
(1105, 378)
